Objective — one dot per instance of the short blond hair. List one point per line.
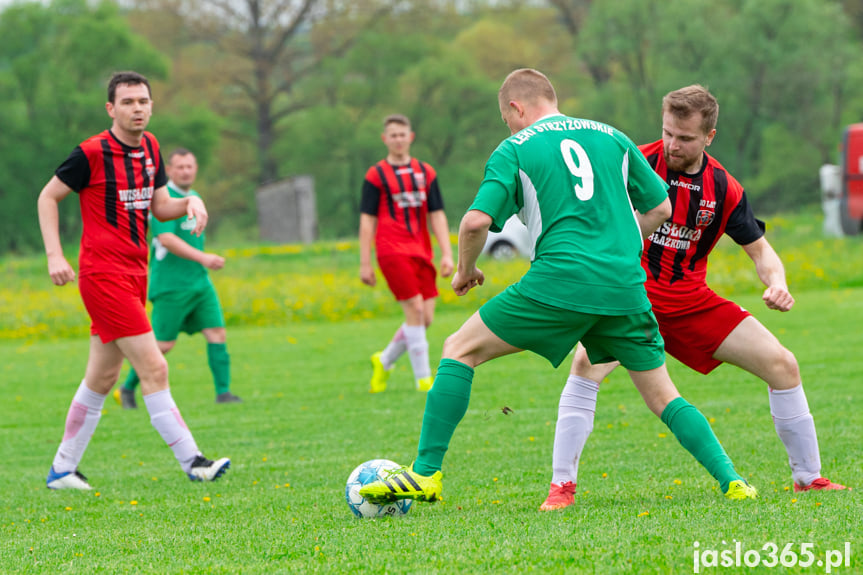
(400, 119)
(689, 100)
(526, 85)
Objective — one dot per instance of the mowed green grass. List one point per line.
(307, 421)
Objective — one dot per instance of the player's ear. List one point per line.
(109, 107)
(413, 135)
(710, 135)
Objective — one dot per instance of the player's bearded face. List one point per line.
(683, 142)
(131, 108)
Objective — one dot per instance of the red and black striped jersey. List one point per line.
(115, 184)
(401, 197)
(703, 207)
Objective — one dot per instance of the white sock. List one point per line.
(395, 348)
(418, 350)
(81, 422)
(796, 428)
(574, 424)
(167, 420)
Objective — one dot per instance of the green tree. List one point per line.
(55, 61)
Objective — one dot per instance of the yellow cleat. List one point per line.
(380, 375)
(117, 397)
(739, 489)
(404, 483)
(425, 383)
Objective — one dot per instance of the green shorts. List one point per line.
(186, 311)
(552, 332)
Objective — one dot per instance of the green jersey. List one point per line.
(170, 273)
(575, 184)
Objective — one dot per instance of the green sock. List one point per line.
(694, 433)
(220, 365)
(446, 405)
(132, 380)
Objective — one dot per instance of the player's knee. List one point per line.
(581, 364)
(155, 371)
(787, 368)
(454, 347)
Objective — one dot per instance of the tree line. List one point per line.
(266, 89)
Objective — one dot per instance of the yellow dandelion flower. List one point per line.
(206, 499)
(663, 435)
(794, 501)
(644, 513)
(133, 502)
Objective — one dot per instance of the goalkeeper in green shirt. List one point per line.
(182, 294)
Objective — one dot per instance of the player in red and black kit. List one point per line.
(119, 177)
(400, 199)
(700, 328)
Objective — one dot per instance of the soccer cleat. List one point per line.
(425, 383)
(68, 480)
(559, 496)
(205, 470)
(228, 397)
(404, 483)
(380, 374)
(820, 484)
(739, 489)
(125, 397)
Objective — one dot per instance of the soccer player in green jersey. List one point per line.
(588, 198)
(182, 294)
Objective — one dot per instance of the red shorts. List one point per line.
(694, 331)
(115, 303)
(409, 276)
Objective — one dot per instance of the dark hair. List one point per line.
(694, 99)
(179, 152)
(130, 78)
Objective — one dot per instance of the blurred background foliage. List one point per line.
(266, 89)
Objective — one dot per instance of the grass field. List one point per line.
(307, 421)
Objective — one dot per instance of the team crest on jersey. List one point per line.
(151, 169)
(420, 179)
(704, 218)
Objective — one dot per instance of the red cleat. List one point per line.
(559, 496)
(820, 484)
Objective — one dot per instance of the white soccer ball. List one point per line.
(364, 474)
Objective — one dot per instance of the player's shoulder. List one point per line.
(373, 173)
(150, 140)
(651, 148)
(714, 165)
(426, 167)
(95, 142)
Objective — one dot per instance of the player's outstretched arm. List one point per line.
(440, 227)
(772, 274)
(49, 222)
(368, 227)
(165, 208)
(472, 233)
(181, 249)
